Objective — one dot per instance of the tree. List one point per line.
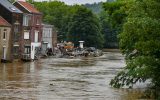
(55, 13)
(110, 35)
(11, 1)
(140, 43)
(30, 1)
(63, 17)
(95, 7)
(112, 21)
(84, 26)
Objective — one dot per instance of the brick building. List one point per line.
(13, 16)
(32, 30)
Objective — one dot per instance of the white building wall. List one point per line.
(33, 47)
(47, 36)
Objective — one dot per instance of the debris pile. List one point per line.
(68, 50)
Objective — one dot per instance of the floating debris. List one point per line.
(79, 52)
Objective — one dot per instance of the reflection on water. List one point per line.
(64, 79)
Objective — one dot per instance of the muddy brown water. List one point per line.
(65, 79)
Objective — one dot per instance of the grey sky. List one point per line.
(70, 2)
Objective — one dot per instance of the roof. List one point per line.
(9, 6)
(29, 7)
(3, 22)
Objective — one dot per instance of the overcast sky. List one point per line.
(71, 2)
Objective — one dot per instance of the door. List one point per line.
(36, 36)
(44, 46)
(4, 52)
(16, 51)
(32, 50)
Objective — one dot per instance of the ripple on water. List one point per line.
(64, 79)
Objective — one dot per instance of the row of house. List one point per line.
(22, 34)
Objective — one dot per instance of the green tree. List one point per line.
(63, 17)
(112, 21)
(95, 7)
(30, 1)
(11, 1)
(55, 13)
(110, 36)
(84, 26)
(140, 42)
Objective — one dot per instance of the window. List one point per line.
(27, 49)
(16, 33)
(16, 49)
(26, 19)
(4, 52)
(37, 21)
(4, 34)
(16, 52)
(36, 36)
(26, 35)
(44, 35)
(16, 28)
(48, 33)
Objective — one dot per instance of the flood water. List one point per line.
(64, 79)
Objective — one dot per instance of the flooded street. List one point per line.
(64, 79)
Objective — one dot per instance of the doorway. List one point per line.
(4, 53)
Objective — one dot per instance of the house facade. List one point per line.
(5, 40)
(47, 37)
(32, 30)
(14, 16)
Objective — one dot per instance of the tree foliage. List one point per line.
(109, 33)
(96, 7)
(53, 12)
(140, 42)
(72, 23)
(115, 13)
(11, 1)
(84, 26)
(56, 13)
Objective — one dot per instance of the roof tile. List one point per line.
(3, 22)
(28, 6)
